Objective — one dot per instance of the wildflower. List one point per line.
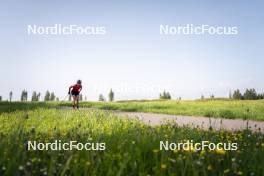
(88, 163)
(220, 151)
(202, 152)
(163, 166)
(209, 167)
(199, 163)
(189, 149)
(155, 151)
(175, 151)
(21, 168)
(133, 142)
(262, 145)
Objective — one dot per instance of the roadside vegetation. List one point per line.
(132, 148)
(224, 108)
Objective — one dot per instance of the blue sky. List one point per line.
(132, 58)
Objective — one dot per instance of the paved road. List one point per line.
(203, 122)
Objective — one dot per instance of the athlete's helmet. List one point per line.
(79, 81)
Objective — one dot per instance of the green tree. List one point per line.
(0, 98)
(111, 95)
(165, 95)
(237, 95)
(38, 96)
(10, 96)
(52, 96)
(250, 94)
(24, 95)
(261, 96)
(34, 96)
(47, 96)
(101, 97)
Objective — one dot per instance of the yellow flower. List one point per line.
(155, 151)
(209, 167)
(262, 145)
(190, 149)
(88, 163)
(175, 151)
(220, 151)
(163, 166)
(202, 152)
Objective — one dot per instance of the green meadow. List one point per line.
(131, 147)
(231, 109)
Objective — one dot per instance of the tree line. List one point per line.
(111, 96)
(49, 96)
(249, 94)
(165, 95)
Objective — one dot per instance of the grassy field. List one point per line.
(250, 109)
(231, 109)
(132, 148)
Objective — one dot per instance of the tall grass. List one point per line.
(132, 148)
(246, 109)
(232, 109)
